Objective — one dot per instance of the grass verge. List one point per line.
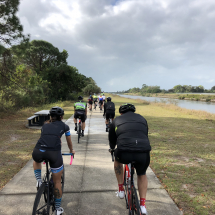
(183, 153)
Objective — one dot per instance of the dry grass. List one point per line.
(183, 153)
(17, 141)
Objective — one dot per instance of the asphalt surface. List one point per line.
(90, 182)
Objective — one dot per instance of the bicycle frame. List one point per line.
(130, 191)
(48, 190)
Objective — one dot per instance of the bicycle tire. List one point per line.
(41, 198)
(79, 132)
(135, 202)
(126, 189)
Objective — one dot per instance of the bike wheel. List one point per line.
(135, 202)
(126, 189)
(40, 204)
(79, 132)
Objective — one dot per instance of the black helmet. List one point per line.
(109, 99)
(127, 107)
(80, 98)
(56, 111)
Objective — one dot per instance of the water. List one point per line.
(192, 105)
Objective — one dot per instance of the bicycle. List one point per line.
(44, 203)
(109, 123)
(131, 198)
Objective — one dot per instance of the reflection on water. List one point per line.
(193, 105)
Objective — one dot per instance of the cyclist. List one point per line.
(80, 110)
(100, 102)
(103, 96)
(49, 147)
(95, 100)
(130, 133)
(109, 110)
(90, 101)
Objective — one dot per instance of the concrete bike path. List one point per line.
(90, 183)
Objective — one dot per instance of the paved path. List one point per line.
(90, 182)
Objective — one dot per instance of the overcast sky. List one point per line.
(126, 43)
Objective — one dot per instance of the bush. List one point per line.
(208, 100)
(181, 97)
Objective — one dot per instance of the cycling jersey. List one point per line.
(103, 98)
(80, 105)
(130, 133)
(51, 134)
(109, 106)
(95, 98)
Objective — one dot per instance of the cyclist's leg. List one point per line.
(107, 120)
(83, 118)
(142, 184)
(118, 167)
(56, 164)
(75, 121)
(141, 165)
(38, 158)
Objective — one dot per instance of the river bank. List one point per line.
(182, 96)
(182, 153)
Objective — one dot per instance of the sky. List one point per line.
(123, 44)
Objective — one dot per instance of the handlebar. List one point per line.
(112, 151)
(72, 156)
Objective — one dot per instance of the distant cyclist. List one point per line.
(90, 101)
(101, 102)
(49, 147)
(109, 111)
(103, 96)
(95, 100)
(130, 133)
(80, 110)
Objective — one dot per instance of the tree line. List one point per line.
(34, 72)
(176, 89)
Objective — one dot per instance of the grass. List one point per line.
(183, 153)
(182, 156)
(17, 141)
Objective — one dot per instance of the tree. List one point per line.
(213, 88)
(10, 27)
(41, 55)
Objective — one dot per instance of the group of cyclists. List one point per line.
(129, 132)
(95, 100)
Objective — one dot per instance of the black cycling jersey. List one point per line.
(109, 106)
(50, 136)
(130, 133)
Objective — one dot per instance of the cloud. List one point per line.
(152, 41)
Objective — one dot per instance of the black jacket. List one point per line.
(50, 136)
(109, 106)
(130, 133)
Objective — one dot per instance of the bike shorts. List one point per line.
(81, 115)
(95, 101)
(90, 102)
(110, 114)
(142, 159)
(54, 157)
(100, 102)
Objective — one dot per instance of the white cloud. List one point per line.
(124, 44)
